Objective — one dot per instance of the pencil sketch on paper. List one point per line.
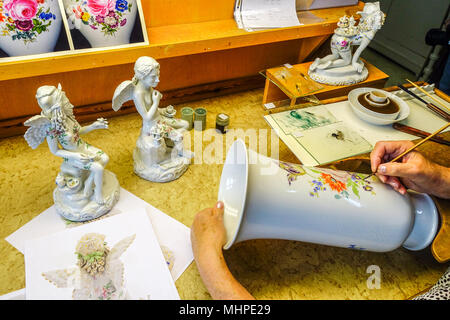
(99, 272)
(300, 120)
(333, 142)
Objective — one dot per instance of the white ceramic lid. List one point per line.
(233, 189)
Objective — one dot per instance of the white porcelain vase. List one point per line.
(102, 22)
(268, 199)
(29, 26)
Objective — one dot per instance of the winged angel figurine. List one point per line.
(99, 274)
(159, 154)
(85, 190)
(342, 67)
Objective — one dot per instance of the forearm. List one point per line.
(441, 181)
(218, 279)
(86, 129)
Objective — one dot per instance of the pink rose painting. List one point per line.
(26, 19)
(106, 16)
(21, 9)
(101, 7)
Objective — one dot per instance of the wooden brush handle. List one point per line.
(419, 133)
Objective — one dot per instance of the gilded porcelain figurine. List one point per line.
(342, 67)
(85, 190)
(159, 154)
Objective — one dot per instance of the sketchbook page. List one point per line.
(134, 268)
(269, 13)
(296, 148)
(333, 142)
(173, 236)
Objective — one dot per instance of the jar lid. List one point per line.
(222, 119)
(187, 111)
(200, 113)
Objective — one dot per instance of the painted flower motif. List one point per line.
(21, 9)
(121, 5)
(322, 181)
(293, 171)
(85, 16)
(344, 43)
(100, 7)
(47, 16)
(24, 25)
(333, 183)
(103, 15)
(26, 19)
(111, 21)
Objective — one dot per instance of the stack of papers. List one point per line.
(158, 251)
(252, 15)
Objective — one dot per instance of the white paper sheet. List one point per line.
(170, 233)
(145, 274)
(268, 14)
(14, 295)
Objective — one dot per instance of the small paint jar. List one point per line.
(200, 119)
(188, 115)
(222, 122)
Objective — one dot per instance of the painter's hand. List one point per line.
(208, 234)
(413, 172)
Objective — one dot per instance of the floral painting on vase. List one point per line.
(100, 23)
(30, 27)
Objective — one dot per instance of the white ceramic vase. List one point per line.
(268, 199)
(29, 26)
(102, 22)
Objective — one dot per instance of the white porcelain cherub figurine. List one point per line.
(342, 67)
(85, 190)
(99, 274)
(174, 162)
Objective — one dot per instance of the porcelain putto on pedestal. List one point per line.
(85, 190)
(159, 154)
(342, 67)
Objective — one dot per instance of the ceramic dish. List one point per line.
(362, 112)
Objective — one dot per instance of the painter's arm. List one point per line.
(208, 237)
(414, 171)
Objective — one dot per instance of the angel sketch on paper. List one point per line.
(83, 175)
(149, 163)
(99, 274)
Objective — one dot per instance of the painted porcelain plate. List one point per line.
(359, 110)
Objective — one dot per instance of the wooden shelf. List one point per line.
(180, 40)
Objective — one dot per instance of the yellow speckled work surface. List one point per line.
(269, 269)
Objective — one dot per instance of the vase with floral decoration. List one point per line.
(102, 22)
(29, 26)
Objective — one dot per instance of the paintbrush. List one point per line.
(419, 133)
(414, 146)
(429, 95)
(430, 106)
